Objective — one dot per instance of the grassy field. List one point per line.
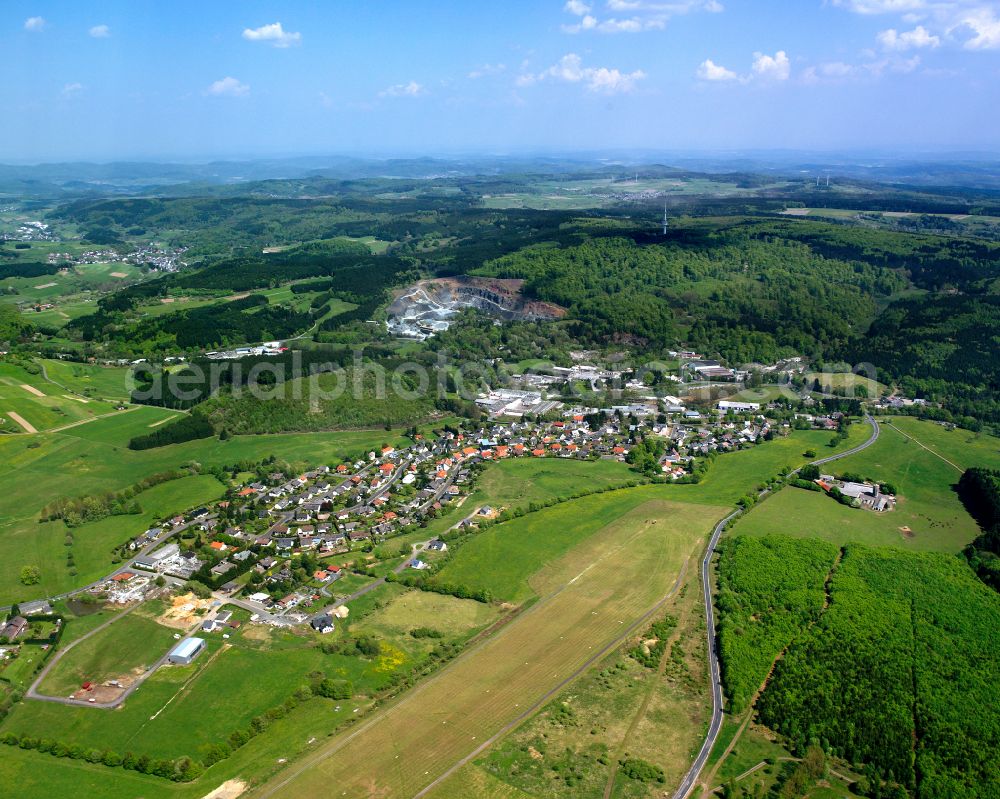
(502, 558)
(590, 595)
(847, 382)
(414, 609)
(125, 648)
(927, 503)
(24, 541)
(572, 747)
(79, 283)
(961, 447)
(43, 405)
(518, 482)
(303, 730)
(256, 669)
(89, 379)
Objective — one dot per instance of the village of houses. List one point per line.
(331, 514)
(279, 547)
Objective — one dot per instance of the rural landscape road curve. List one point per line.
(687, 784)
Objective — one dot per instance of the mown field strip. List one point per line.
(28, 427)
(606, 584)
(32, 390)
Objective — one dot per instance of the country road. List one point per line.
(688, 783)
(33, 692)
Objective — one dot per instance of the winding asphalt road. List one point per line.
(687, 784)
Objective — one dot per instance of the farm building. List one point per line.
(186, 651)
(739, 407)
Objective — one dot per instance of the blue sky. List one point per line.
(186, 80)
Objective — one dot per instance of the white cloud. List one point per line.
(228, 87)
(35, 24)
(642, 15)
(272, 33)
(776, 67)
(908, 40)
(984, 26)
(839, 71)
(765, 68)
(486, 70)
(973, 24)
(709, 70)
(411, 89)
(881, 6)
(570, 69)
(100, 31)
(587, 23)
(71, 89)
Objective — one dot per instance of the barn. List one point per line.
(186, 651)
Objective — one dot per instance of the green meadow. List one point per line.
(252, 671)
(502, 558)
(80, 283)
(89, 379)
(24, 541)
(129, 645)
(927, 502)
(40, 403)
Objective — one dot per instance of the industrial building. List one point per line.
(186, 651)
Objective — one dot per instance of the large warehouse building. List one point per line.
(186, 651)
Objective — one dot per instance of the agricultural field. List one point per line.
(928, 514)
(248, 673)
(79, 283)
(122, 650)
(89, 379)
(303, 730)
(29, 402)
(511, 484)
(592, 597)
(846, 384)
(502, 558)
(548, 195)
(24, 541)
(445, 614)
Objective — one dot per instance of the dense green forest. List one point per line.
(350, 273)
(769, 589)
(325, 401)
(187, 428)
(980, 491)
(898, 673)
(240, 321)
(941, 346)
(739, 296)
(13, 325)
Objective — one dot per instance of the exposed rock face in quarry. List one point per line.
(427, 307)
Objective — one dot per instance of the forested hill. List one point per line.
(749, 287)
(738, 294)
(897, 669)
